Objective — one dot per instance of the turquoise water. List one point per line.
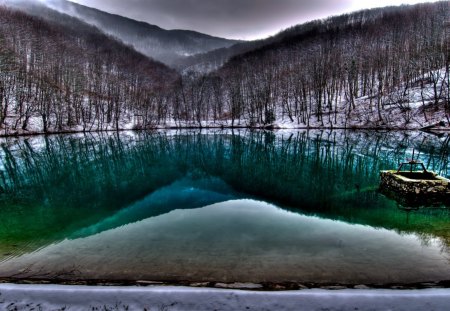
(242, 206)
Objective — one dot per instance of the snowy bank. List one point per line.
(57, 297)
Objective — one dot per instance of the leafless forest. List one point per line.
(61, 74)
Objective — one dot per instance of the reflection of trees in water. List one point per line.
(309, 168)
(56, 185)
(324, 162)
(330, 173)
(73, 170)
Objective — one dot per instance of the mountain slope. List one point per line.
(212, 60)
(64, 74)
(381, 68)
(167, 46)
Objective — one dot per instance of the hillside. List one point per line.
(381, 68)
(167, 46)
(67, 75)
(213, 60)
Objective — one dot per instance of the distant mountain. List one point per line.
(213, 60)
(180, 49)
(167, 46)
(297, 35)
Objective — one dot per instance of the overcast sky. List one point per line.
(239, 19)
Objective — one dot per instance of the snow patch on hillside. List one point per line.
(409, 108)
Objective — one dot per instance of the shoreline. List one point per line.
(266, 128)
(264, 287)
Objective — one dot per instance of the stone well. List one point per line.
(416, 186)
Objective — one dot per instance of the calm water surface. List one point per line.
(221, 206)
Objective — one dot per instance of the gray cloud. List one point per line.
(242, 19)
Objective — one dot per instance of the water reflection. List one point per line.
(182, 194)
(241, 240)
(81, 186)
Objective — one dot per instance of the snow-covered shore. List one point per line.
(58, 297)
(415, 110)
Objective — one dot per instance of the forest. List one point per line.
(316, 72)
(70, 75)
(379, 68)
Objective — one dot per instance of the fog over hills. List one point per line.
(163, 45)
(167, 46)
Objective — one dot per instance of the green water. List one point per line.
(242, 206)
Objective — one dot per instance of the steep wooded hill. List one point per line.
(66, 74)
(381, 68)
(212, 60)
(167, 46)
(374, 68)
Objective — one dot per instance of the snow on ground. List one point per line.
(412, 107)
(60, 297)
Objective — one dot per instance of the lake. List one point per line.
(219, 206)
